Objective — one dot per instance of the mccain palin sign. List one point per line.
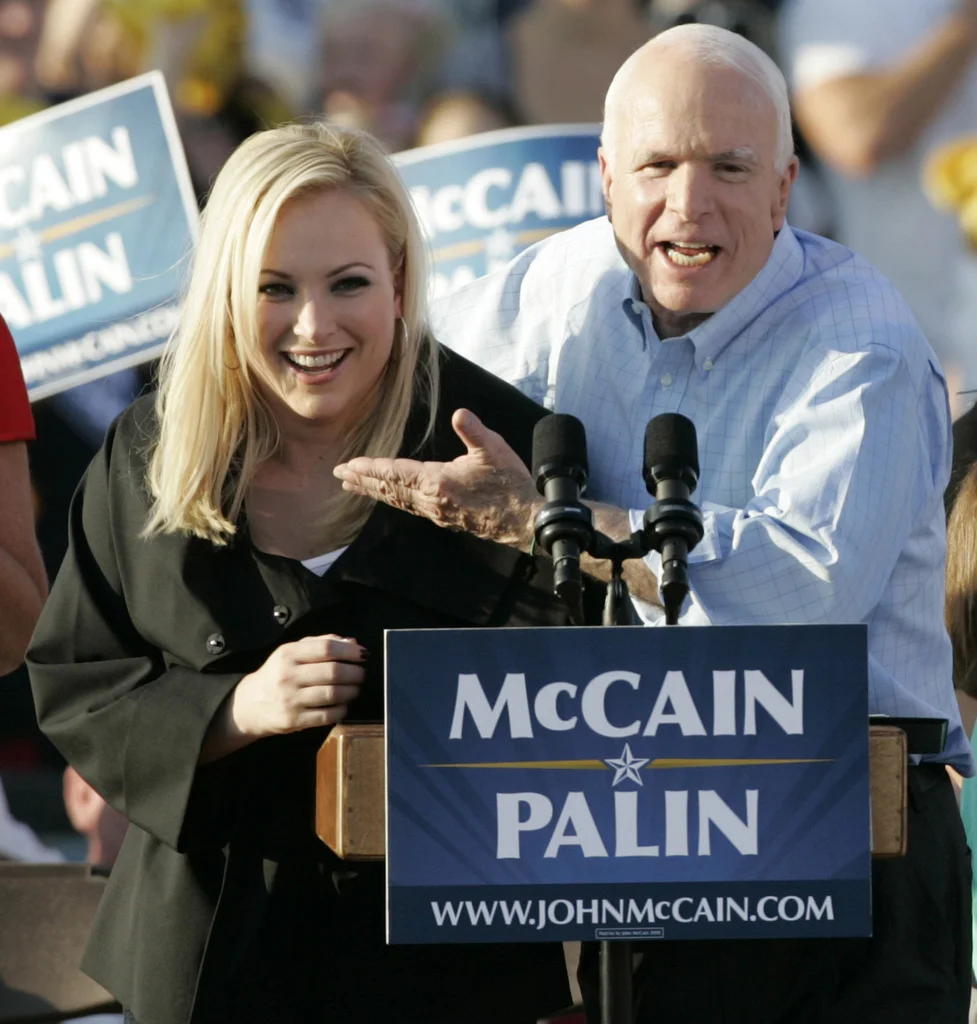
(628, 783)
(97, 215)
(484, 199)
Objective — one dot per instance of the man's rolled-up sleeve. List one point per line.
(854, 461)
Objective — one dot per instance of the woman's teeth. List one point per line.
(690, 255)
(317, 362)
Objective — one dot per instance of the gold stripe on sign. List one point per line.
(77, 224)
(658, 762)
(471, 248)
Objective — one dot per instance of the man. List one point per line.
(879, 86)
(823, 430)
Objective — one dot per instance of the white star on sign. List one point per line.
(27, 245)
(626, 766)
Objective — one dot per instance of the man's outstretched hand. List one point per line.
(487, 492)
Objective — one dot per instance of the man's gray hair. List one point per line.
(720, 47)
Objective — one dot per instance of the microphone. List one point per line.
(673, 524)
(564, 525)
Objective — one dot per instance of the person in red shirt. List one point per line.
(23, 582)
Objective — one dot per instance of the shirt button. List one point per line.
(215, 643)
(707, 365)
(282, 613)
(667, 380)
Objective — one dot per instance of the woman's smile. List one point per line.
(316, 367)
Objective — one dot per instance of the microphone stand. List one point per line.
(616, 965)
(616, 960)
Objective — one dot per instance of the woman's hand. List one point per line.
(303, 685)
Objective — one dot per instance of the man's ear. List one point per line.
(605, 179)
(786, 183)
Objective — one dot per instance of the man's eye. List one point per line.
(735, 169)
(350, 284)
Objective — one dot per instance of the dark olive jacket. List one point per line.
(221, 880)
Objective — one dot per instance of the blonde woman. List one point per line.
(223, 603)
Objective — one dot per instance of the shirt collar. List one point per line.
(778, 275)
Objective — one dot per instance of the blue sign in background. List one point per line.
(97, 216)
(812, 803)
(484, 199)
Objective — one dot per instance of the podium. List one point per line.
(350, 791)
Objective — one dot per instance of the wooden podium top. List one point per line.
(350, 791)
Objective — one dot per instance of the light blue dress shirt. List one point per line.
(823, 428)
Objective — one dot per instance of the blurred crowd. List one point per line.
(412, 71)
(885, 99)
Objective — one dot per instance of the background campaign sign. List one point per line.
(97, 214)
(594, 783)
(484, 199)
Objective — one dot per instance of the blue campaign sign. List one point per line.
(592, 783)
(484, 199)
(97, 215)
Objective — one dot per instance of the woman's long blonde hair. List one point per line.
(961, 582)
(214, 428)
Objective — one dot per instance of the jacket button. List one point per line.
(215, 643)
(282, 613)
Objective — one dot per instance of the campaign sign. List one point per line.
(97, 215)
(627, 783)
(484, 199)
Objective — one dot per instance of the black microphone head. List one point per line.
(559, 449)
(671, 451)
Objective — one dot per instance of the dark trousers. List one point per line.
(915, 969)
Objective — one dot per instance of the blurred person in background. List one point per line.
(457, 114)
(381, 61)
(961, 624)
(102, 826)
(562, 55)
(23, 582)
(749, 18)
(199, 45)
(878, 85)
(20, 29)
(282, 47)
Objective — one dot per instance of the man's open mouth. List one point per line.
(317, 363)
(689, 254)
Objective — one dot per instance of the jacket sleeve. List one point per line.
(128, 719)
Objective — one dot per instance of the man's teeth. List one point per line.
(318, 362)
(689, 259)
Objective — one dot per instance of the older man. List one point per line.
(823, 430)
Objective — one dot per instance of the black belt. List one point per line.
(923, 735)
